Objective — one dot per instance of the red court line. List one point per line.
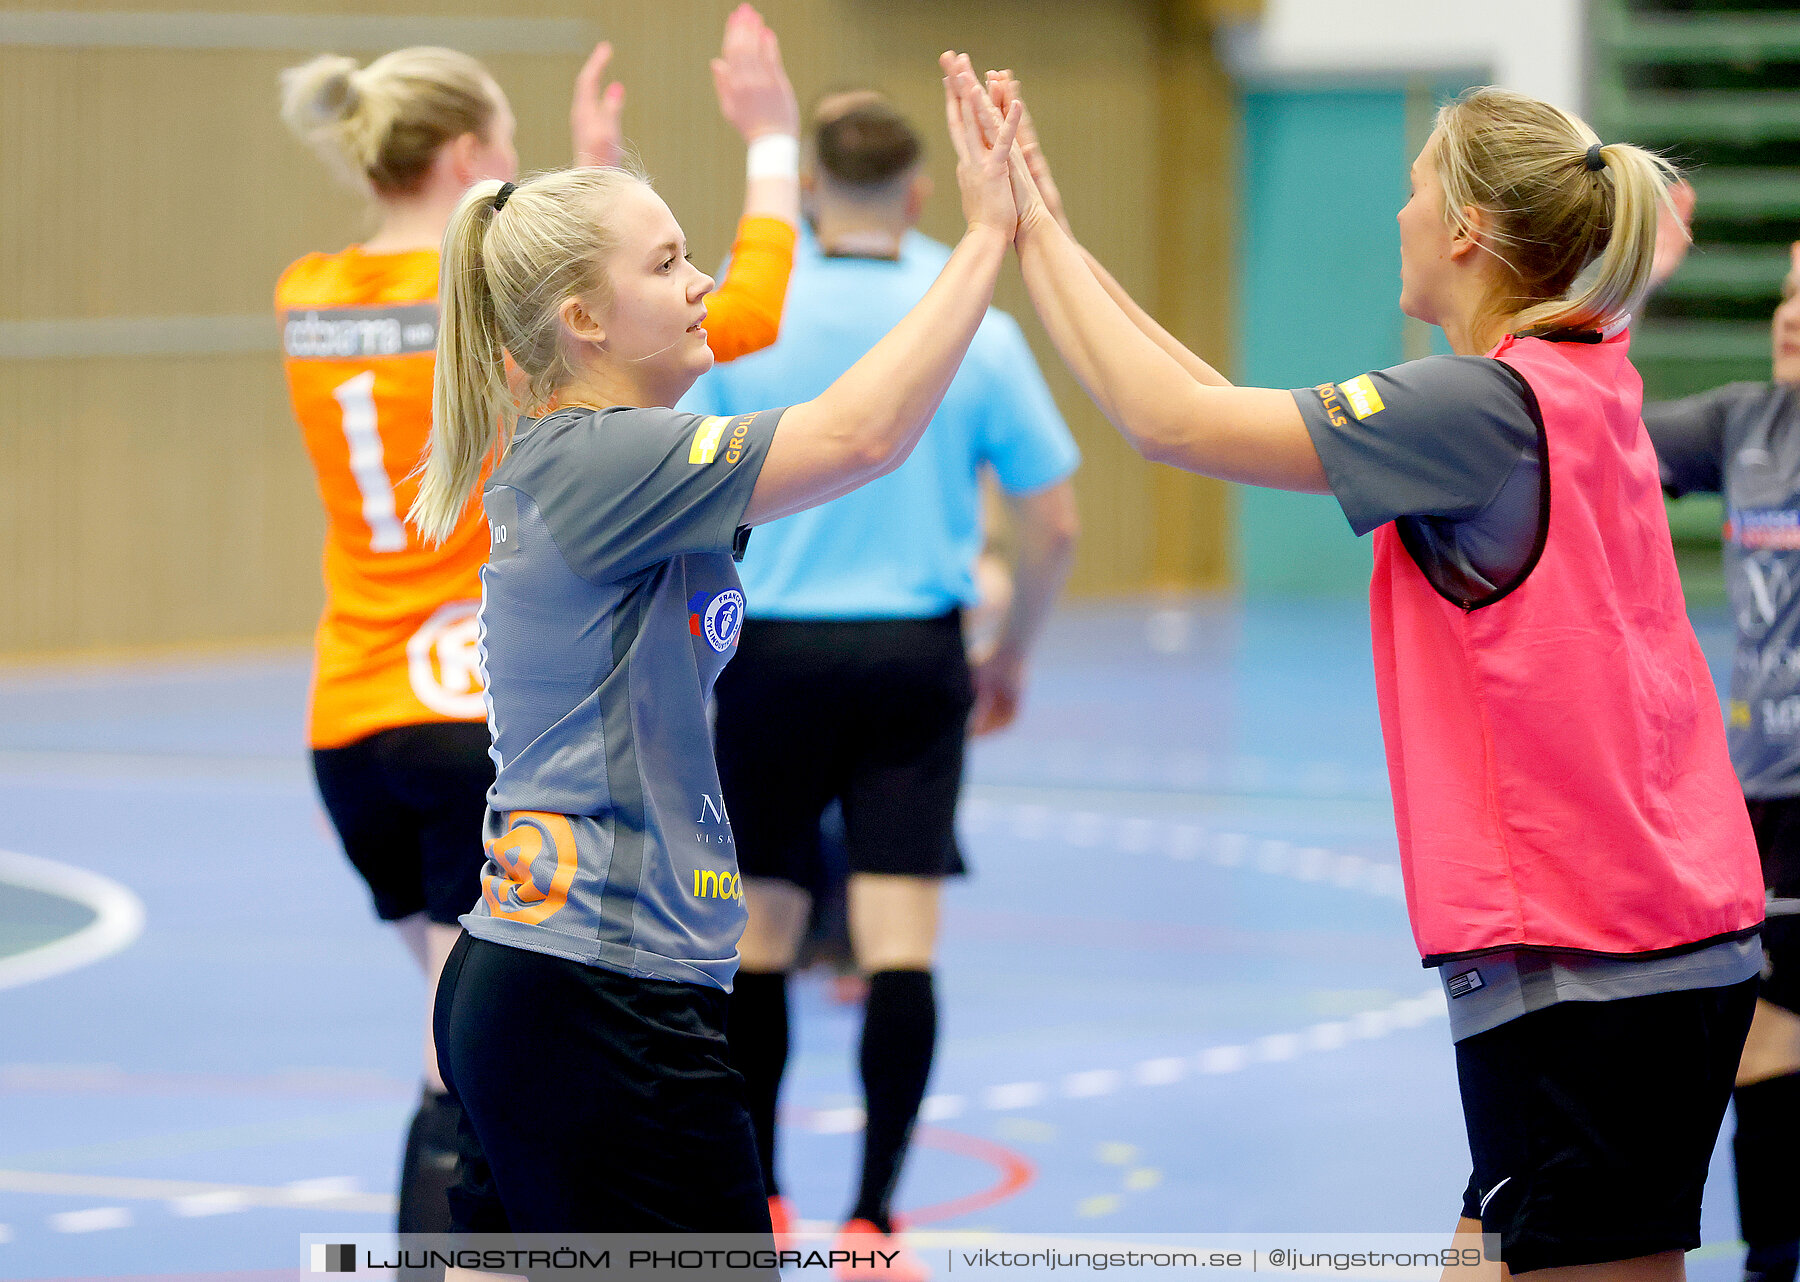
(1016, 1173)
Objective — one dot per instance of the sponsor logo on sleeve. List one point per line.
(734, 448)
(706, 440)
(1363, 399)
(1334, 405)
(717, 618)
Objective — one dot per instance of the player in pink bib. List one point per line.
(1578, 861)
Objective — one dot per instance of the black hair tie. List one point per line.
(500, 197)
(1595, 161)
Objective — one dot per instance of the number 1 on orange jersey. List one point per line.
(356, 397)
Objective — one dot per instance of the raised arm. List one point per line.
(744, 313)
(756, 98)
(594, 112)
(867, 422)
(1003, 86)
(1689, 434)
(1246, 434)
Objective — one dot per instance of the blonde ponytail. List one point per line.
(502, 281)
(1549, 214)
(1639, 183)
(379, 127)
(471, 413)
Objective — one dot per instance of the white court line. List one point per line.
(1178, 839)
(1183, 839)
(94, 1220)
(118, 918)
(1273, 1048)
(192, 1194)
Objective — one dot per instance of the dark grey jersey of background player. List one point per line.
(610, 603)
(1454, 457)
(1743, 441)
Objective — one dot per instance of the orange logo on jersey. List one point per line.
(444, 663)
(734, 448)
(525, 894)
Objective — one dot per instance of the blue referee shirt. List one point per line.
(903, 546)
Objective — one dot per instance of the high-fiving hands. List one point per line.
(1003, 88)
(983, 139)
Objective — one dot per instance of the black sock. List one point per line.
(757, 1029)
(1767, 1152)
(428, 1166)
(899, 1035)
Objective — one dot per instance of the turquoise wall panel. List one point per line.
(1324, 173)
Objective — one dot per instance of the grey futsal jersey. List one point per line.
(1447, 447)
(609, 604)
(1743, 441)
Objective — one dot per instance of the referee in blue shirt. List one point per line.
(851, 682)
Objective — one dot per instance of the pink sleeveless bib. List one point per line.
(1557, 757)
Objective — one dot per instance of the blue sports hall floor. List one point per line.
(1178, 991)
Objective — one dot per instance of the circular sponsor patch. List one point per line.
(724, 616)
(443, 661)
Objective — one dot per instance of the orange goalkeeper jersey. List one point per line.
(396, 644)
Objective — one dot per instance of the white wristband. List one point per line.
(773, 156)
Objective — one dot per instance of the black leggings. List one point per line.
(600, 1103)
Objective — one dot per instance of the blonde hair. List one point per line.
(502, 280)
(380, 126)
(1523, 163)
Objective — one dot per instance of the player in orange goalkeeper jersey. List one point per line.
(397, 724)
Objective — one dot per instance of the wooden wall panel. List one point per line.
(153, 501)
(157, 182)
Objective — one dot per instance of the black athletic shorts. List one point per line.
(596, 1102)
(1777, 825)
(407, 804)
(1591, 1124)
(872, 713)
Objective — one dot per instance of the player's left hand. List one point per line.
(594, 113)
(754, 93)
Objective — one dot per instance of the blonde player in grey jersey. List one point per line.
(581, 1017)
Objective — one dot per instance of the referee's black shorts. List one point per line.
(1777, 825)
(407, 803)
(871, 713)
